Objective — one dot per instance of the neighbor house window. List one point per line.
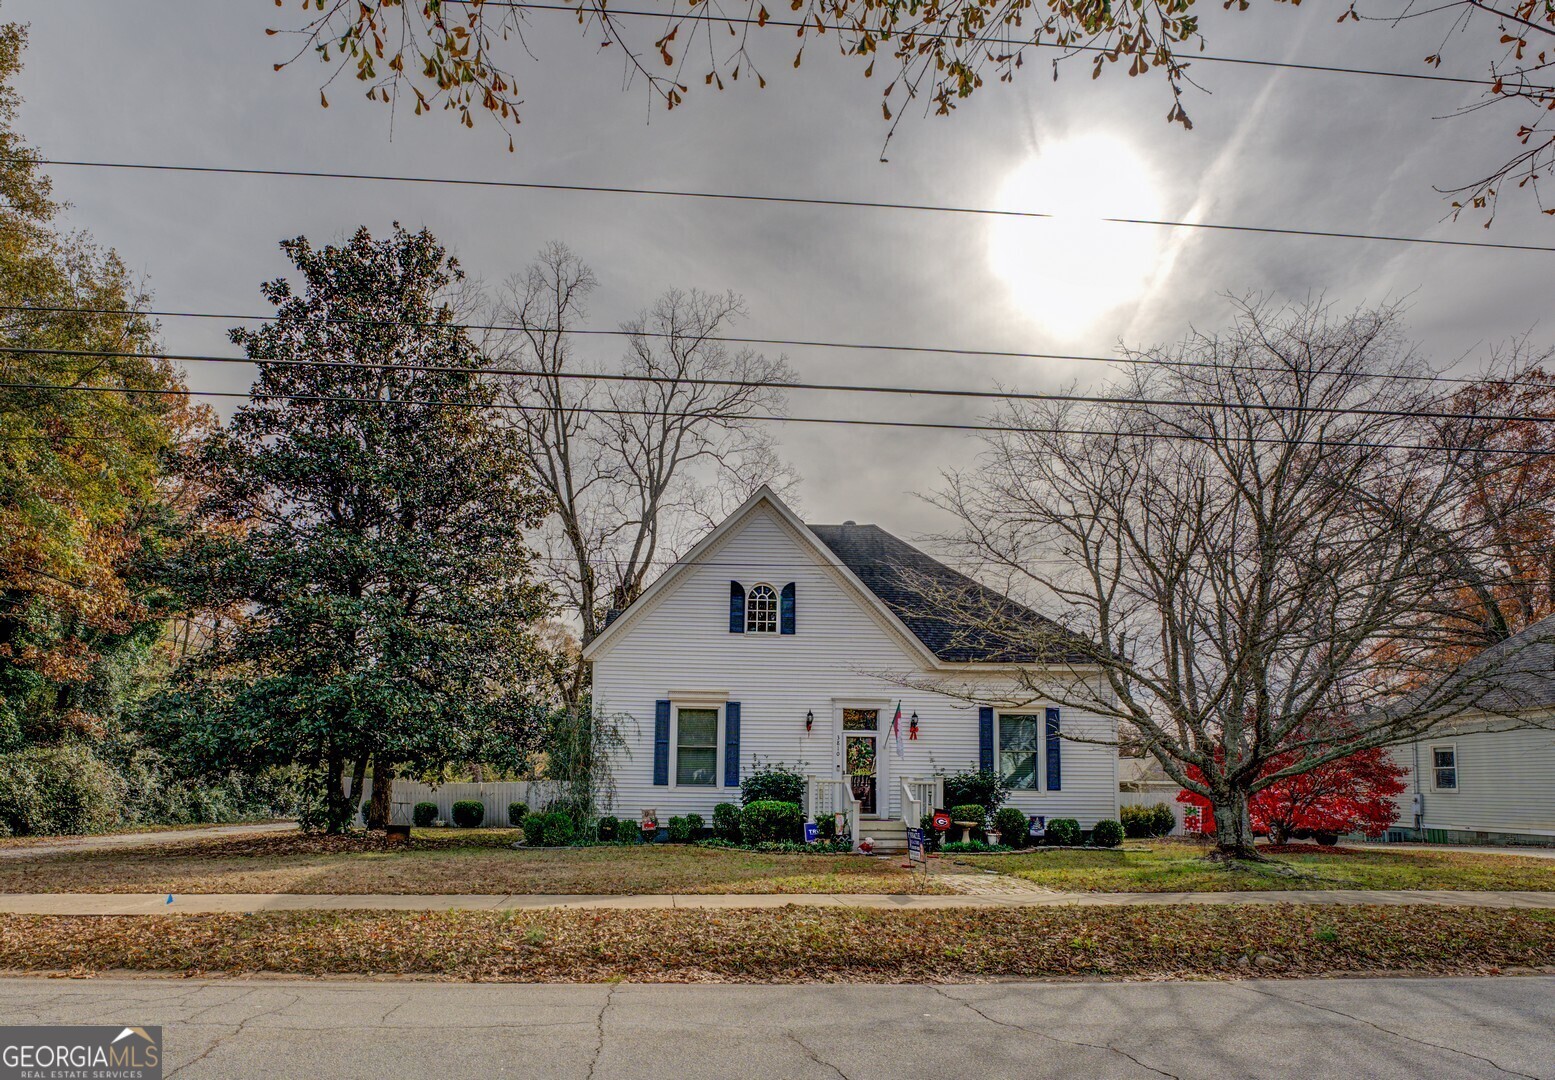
(761, 610)
(1018, 751)
(1444, 768)
(696, 748)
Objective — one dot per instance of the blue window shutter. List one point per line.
(736, 608)
(985, 739)
(661, 743)
(786, 609)
(1055, 760)
(732, 744)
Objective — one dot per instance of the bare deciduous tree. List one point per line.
(1237, 543)
(635, 467)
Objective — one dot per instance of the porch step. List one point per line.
(890, 836)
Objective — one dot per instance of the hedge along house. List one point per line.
(773, 641)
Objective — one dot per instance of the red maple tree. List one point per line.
(1350, 794)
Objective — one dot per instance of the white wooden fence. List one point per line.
(1150, 798)
(494, 796)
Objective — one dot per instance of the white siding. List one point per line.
(1506, 783)
(680, 646)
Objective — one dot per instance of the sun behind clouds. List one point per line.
(1066, 272)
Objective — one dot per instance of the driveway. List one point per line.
(1384, 1028)
(141, 839)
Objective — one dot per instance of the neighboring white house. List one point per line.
(1468, 784)
(773, 641)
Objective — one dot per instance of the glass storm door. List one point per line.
(860, 744)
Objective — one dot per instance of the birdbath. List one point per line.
(966, 829)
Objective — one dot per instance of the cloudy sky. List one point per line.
(190, 82)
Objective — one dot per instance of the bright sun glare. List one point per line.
(1066, 273)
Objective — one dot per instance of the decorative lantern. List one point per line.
(912, 726)
(809, 721)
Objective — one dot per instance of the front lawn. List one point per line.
(1176, 866)
(794, 944)
(447, 861)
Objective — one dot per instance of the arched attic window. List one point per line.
(761, 610)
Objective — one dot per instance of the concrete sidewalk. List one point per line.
(142, 839)
(242, 903)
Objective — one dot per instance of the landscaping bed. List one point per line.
(1177, 866)
(448, 861)
(795, 944)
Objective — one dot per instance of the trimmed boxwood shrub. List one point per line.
(773, 783)
(983, 787)
(469, 813)
(1142, 822)
(679, 830)
(1012, 826)
(969, 812)
(608, 829)
(770, 821)
(726, 822)
(423, 814)
(1064, 831)
(696, 824)
(517, 812)
(1107, 833)
(553, 829)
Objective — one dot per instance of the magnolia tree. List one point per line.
(1235, 538)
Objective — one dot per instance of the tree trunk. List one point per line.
(381, 813)
(1233, 826)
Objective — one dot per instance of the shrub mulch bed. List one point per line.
(794, 944)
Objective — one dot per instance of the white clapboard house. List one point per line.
(773, 641)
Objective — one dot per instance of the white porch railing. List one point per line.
(920, 795)
(826, 796)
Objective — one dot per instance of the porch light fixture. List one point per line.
(912, 726)
(809, 721)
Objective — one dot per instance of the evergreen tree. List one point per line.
(366, 520)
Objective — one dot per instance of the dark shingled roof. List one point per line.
(1511, 676)
(981, 626)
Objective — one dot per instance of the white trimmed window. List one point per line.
(761, 610)
(1018, 751)
(696, 747)
(1444, 768)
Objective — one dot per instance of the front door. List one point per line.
(860, 756)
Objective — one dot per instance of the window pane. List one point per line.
(860, 719)
(695, 767)
(699, 727)
(761, 610)
(1018, 733)
(1444, 758)
(1447, 778)
(1020, 770)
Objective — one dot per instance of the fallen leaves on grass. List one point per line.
(794, 944)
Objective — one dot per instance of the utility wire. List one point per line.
(787, 200)
(773, 384)
(930, 425)
(862, 346)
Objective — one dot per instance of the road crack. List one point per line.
(1388, 1031)
(1106, 1047)
(599, 1029)
(242, 1026)
(813, 1056)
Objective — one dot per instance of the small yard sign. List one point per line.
(1036, 825)
(812, 832)
(915, 845)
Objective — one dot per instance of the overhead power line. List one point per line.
(941, 35)
(843, 421)
(862, 346)
(775, 384)
(786, 200)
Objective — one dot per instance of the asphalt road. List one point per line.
(1381, 1028)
